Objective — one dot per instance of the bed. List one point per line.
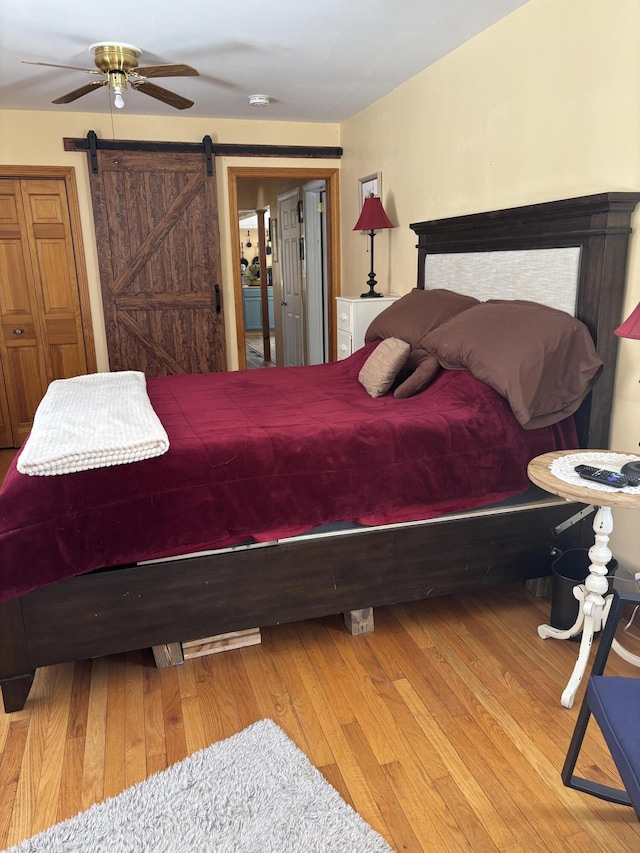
(157, 593)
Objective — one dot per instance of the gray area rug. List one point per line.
(255, 792)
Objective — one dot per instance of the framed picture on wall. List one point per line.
(371, 185)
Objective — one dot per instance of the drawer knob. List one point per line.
(18, 331)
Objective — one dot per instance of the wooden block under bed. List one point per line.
(171, 654)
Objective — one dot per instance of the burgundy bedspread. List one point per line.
(265, 454)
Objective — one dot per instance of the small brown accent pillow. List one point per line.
(382, 366)
(421, 378)
(543, 361)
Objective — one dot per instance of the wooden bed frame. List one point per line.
(124, 608)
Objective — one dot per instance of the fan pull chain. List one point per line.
(113, 130)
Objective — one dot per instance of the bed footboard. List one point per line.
(118, 610)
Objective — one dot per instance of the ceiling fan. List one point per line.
(117, 66)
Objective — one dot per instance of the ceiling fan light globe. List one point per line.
(118, 100)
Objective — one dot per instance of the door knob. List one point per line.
(284, 302)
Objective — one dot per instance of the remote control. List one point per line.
(602, 475)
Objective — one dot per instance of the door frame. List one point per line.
(68, 175)
(332, 177)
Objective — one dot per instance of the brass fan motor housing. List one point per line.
(115, 57)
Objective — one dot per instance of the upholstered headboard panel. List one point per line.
(594, 228)
(549, 276)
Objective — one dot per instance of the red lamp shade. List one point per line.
(372, 216)
(631, 326)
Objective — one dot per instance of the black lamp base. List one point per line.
(372, 276)
(372, 285)
(632, 468)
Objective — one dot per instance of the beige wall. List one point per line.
(543, 105)
(35, 139)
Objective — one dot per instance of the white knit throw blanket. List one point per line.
(93, 421)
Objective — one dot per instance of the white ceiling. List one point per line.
(318, 61)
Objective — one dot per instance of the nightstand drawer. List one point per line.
(345, 315)
(345, 345)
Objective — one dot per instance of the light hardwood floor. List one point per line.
(443, 728)
(254, 349)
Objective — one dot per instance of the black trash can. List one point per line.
(570, 569)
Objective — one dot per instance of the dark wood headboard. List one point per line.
(600, 226)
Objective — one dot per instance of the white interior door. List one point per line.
(315, 273)
(291, 271)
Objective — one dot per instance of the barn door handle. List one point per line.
(216, 287)
(18, 331)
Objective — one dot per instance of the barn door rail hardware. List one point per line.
(92, 143)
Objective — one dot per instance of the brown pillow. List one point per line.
(543, 361)
(382, 366)
(421, 378)
(416, 313)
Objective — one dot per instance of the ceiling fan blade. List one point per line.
(163, 95)
(78, 93)
(166, 71)
(71, 67)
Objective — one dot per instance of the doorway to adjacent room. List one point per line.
(317, 185)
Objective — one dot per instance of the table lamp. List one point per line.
(372, 218)
(631, 329)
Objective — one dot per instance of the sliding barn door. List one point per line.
(156, 222)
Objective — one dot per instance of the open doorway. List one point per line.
(269, 182)
(257, 263)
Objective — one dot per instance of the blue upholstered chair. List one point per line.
(614, 703)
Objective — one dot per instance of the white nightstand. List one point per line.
(354, 317)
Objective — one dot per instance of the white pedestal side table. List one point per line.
(594, 603)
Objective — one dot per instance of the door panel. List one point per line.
(54, 271)
(24, 362)
(315, 273)
(25, 376)
(291, 272)
(42, 292)
(159, 253)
